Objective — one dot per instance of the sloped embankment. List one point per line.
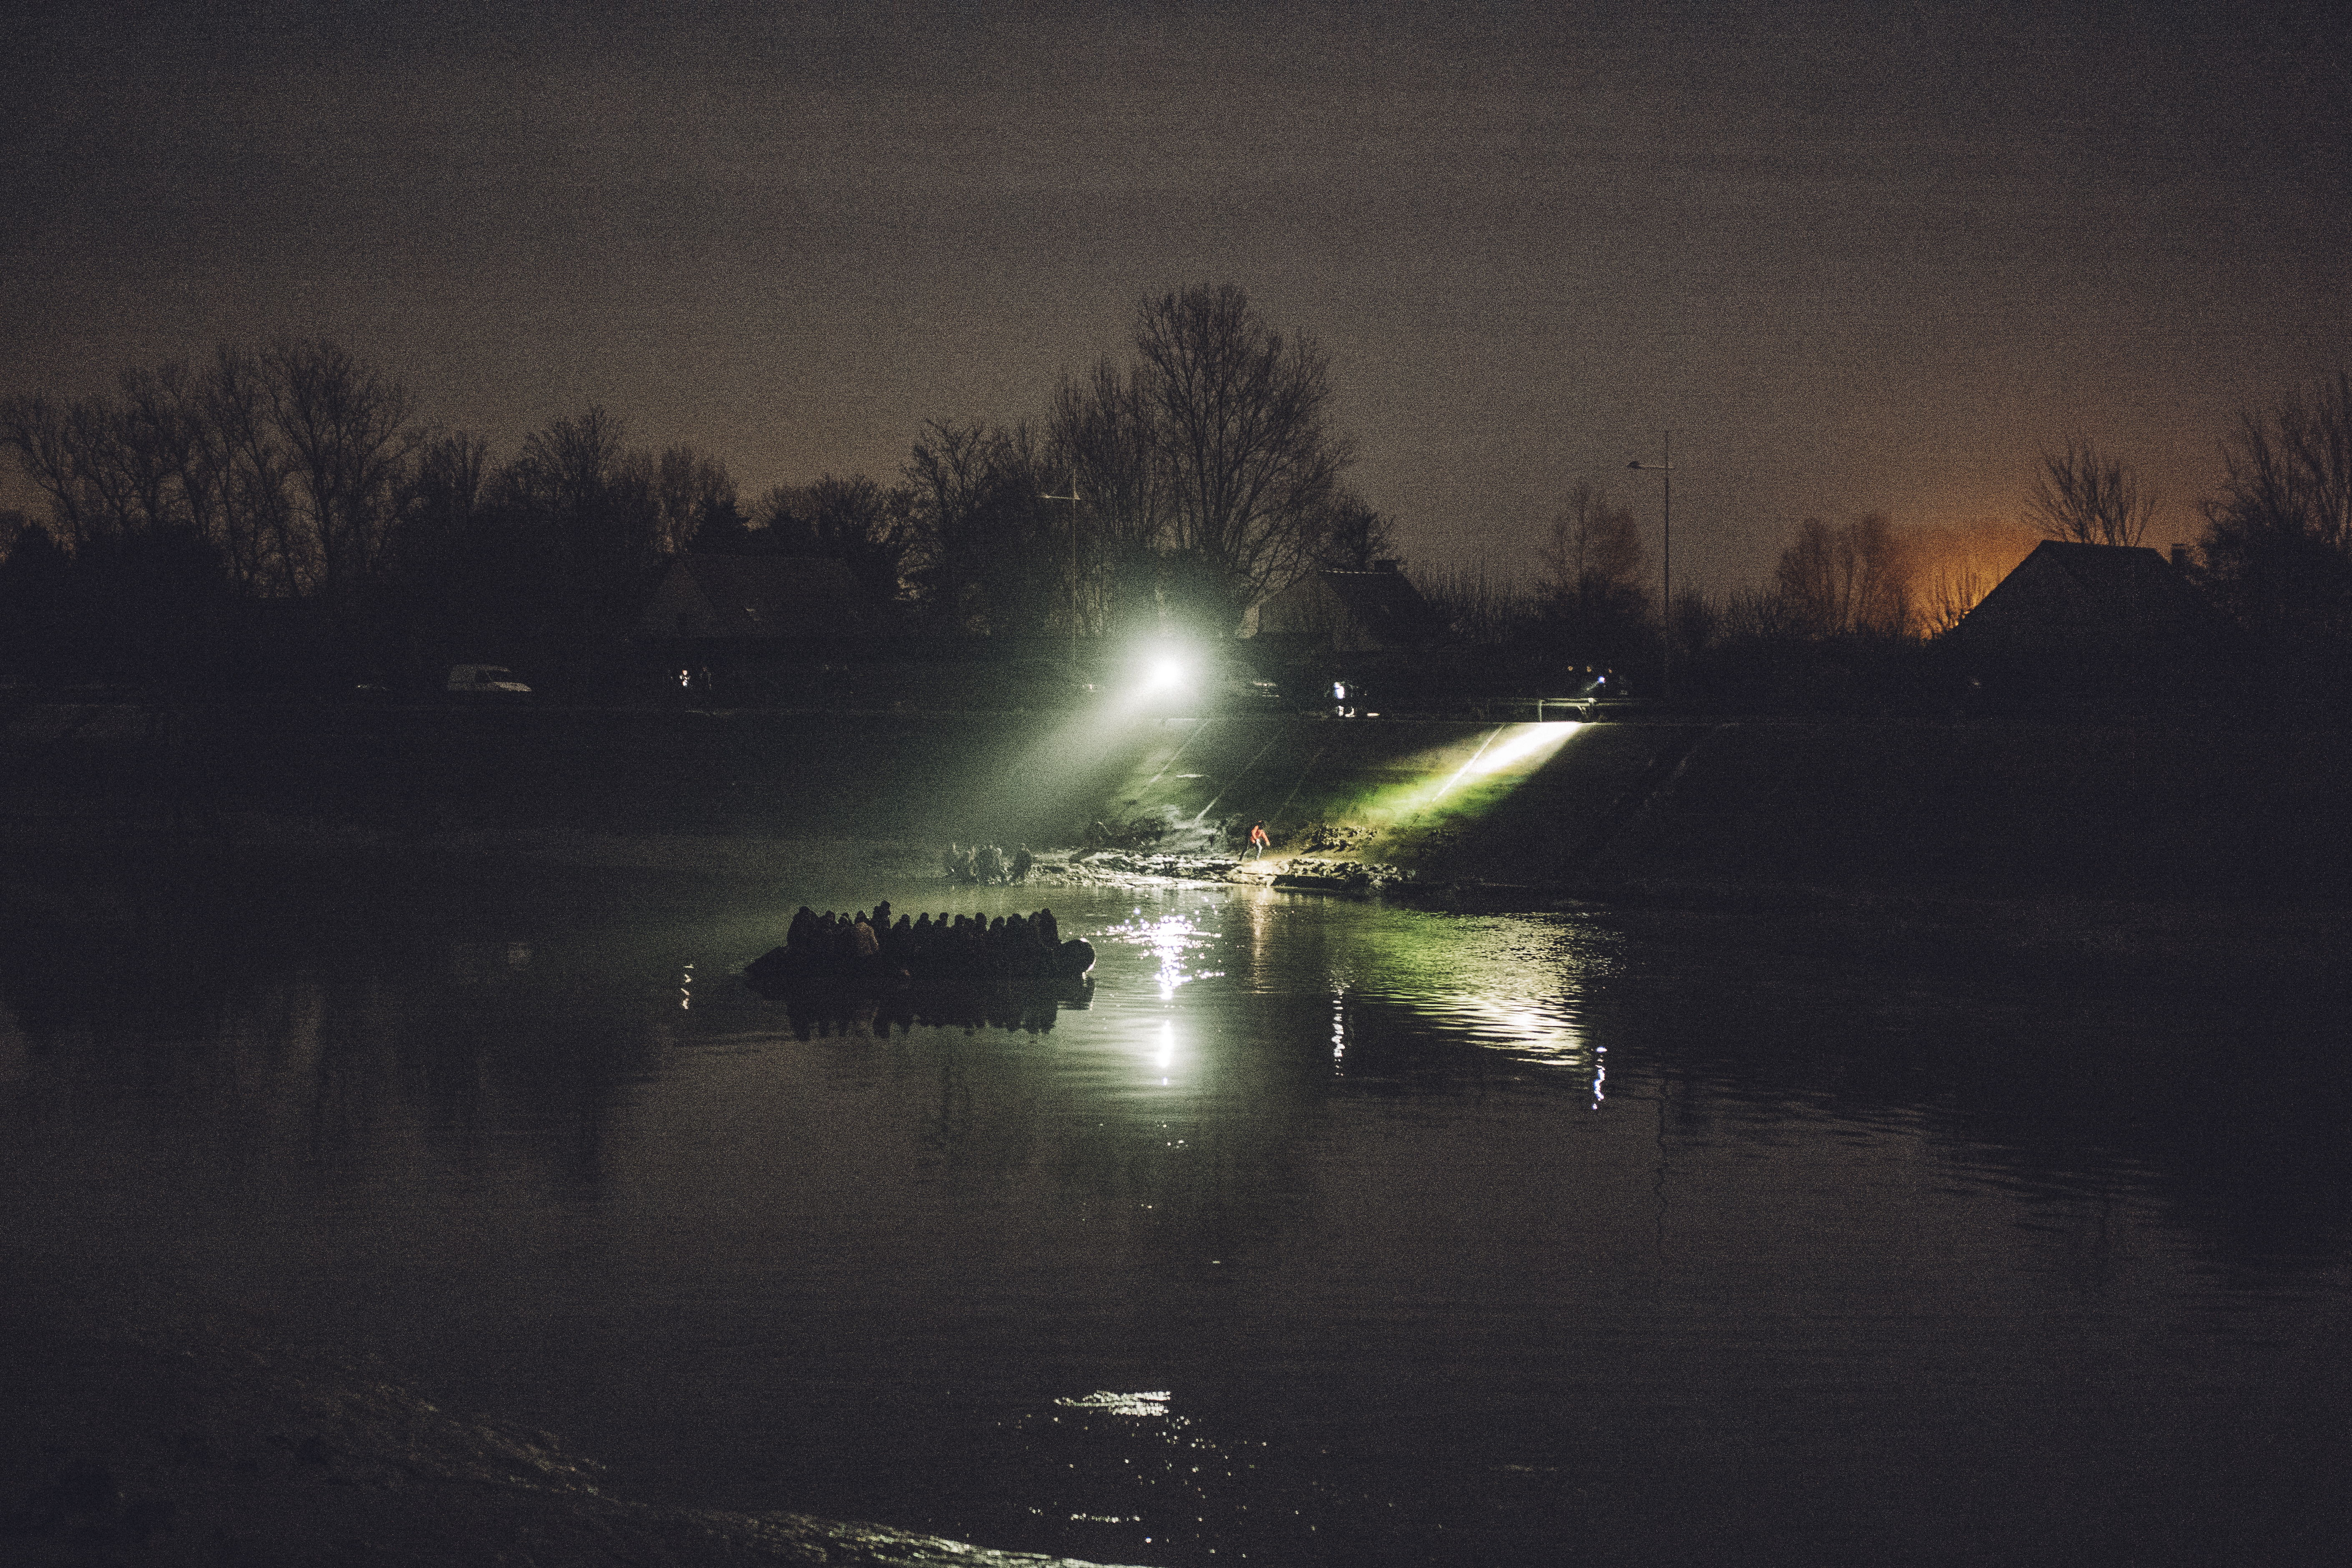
(1991, 810)
(1996, 811)
(2002, 811)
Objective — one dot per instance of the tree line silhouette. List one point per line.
(286, 506)
(2274, 554)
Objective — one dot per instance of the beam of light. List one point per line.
(1529, 742)
(1467, 764)
(1502, 758)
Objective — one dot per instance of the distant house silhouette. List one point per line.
(754, 600)
(2092, 601)
(1377, 611)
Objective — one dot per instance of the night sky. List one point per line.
(1859, 257)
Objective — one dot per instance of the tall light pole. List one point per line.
(1073, 498)
(1666, 555)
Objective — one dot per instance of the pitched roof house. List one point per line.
(1352, 612)
(2104, 599)
(755, 598)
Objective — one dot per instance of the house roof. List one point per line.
(2089, 595)
(711, 595)
(1354, 610)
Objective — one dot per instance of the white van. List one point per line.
(483, 680)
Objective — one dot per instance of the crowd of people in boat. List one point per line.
(986, 863)
(876, 947)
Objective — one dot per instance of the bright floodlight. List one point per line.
(1164, 674)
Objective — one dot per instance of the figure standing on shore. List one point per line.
(1258, 840)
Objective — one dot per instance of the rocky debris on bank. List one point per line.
(1328, 875)
(1328, 839)
(1119, 867)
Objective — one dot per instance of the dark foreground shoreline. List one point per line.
(209, 1445)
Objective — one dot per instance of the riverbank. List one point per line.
(2003, 811)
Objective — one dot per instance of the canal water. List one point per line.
(1319, 1232)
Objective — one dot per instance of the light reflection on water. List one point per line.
(1174, 941)
(1402, 1272)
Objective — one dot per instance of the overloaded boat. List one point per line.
(873, 952)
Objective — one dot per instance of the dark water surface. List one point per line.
(1327, 1232)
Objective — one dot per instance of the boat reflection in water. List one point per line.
(1031, 1006)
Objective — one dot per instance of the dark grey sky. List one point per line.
(1858, 257)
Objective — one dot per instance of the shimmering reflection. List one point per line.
(1148, 1403)
(1130, 1463)
(1174, 939)
(1527, 1028)
(1509, 983)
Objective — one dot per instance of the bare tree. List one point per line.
(2278, 537)
(442, 493)
(1354, 536)
(1239, 424)
(1103, 432)
(1761, 615)
(259, 539)
(347, 434)
(1698, 623)
(41, 430)
(175, 457)
(1952, 566)
(2088, 499)
(1596, 604)
(693, 491)
(1845, 578)
(587, 501)
(988, 559)
(1593, 543)
(1102, 438)
(1476, 606)
(855, 521)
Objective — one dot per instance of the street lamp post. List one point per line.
(1667, 556)
(1073, 498)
